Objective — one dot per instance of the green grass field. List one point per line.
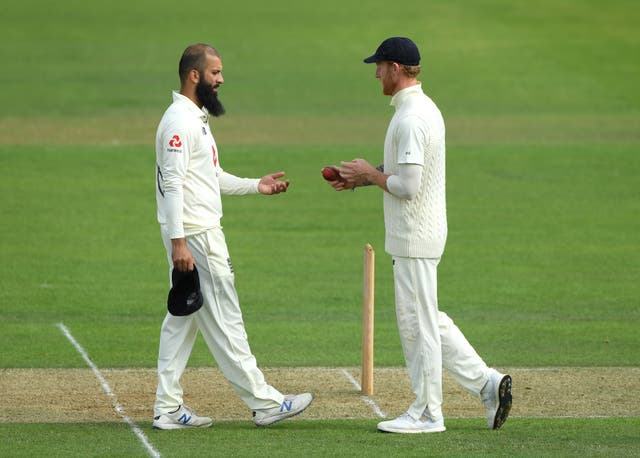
(542, 263)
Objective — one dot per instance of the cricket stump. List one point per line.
(367, 321)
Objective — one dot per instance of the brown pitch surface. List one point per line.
(76, 395)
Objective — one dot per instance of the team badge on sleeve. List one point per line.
(175, 144)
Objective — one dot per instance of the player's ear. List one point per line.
(194, 76)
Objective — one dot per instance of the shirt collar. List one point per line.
(202, 113)
(402, 95)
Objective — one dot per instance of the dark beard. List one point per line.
(208, 98)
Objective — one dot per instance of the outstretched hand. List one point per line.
(271, 184)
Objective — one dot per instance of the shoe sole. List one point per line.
(504, 402)
(413, 431)
(284, 417)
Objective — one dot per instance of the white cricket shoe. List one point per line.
(496, 397)
(184, 417)
(292, 405)
(404, 424)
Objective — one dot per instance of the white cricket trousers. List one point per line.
(219, 320)
(430, 339)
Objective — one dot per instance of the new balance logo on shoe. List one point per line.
(290, 406)
(286, 405)
(183, 417)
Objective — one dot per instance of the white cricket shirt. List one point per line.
(189, 178)
(416, 228)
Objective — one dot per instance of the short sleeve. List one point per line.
(413, 139)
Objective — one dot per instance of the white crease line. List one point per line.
(365, 398)
(109, 392)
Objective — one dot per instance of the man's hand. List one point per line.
(360, 172)
(270, 184)
(181, 256)
(331, 174)
(356, 170)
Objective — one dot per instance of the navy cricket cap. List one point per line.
(396, 49)
(185, 296)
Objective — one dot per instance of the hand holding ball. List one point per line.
(331, 174)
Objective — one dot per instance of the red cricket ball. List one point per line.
(330, 174)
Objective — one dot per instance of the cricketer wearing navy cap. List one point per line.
(396, 49)
(413, 179)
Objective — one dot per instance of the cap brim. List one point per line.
(371, 59)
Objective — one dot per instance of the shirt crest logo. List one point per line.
(175, 142)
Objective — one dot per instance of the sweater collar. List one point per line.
(399, 97)
(202, 113)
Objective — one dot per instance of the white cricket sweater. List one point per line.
(416, 228)
(189, 178)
